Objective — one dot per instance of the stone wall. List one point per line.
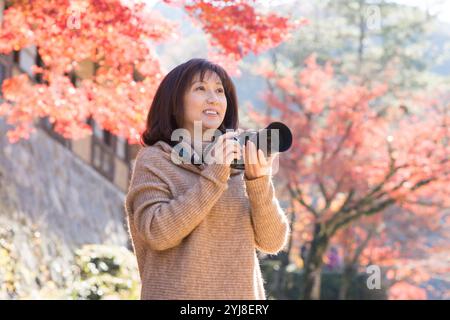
(52, 202)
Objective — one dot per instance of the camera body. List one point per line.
(262, 140)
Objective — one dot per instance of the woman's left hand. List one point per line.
(256, 163)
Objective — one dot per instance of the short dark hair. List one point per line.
(166, 111)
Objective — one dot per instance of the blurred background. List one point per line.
(363, 85)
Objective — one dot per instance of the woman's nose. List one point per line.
(212, 98)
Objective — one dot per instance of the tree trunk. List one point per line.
(313, 266)
(351, 266)
(346, 281)
(362, 34)
(280, 288)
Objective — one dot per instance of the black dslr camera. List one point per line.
(276, 137)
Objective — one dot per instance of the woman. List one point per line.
(195, 226)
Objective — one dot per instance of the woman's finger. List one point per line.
(262, 158)
(253, 157)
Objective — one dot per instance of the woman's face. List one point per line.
(204, 101)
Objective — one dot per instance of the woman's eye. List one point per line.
(203, 88)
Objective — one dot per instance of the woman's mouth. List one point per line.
(210, 113)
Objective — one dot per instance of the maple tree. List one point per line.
(349, 161)
(98, 60)
(236, 29)
(409, 247)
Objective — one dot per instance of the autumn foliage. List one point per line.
(98, 58)
(355, 162)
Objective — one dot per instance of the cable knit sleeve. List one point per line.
(270, 224)
(160, 219)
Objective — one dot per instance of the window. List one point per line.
(98, 130)
(6, 63)
(49, 128)
(122, 148)
(2, 73)
(103, 154)
(27, 59)
(108, 139)
(102, 158)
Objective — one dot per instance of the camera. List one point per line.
(276, 137)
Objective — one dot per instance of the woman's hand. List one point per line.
(224, 150)
(256, 163)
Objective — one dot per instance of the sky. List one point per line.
(440, 7)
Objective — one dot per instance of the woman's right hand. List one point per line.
(224, 150)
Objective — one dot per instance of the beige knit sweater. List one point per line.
(195, 228)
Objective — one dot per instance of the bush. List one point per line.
(330, 284)
(105, 272)
(34, 265)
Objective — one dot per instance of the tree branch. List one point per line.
(297, 193)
